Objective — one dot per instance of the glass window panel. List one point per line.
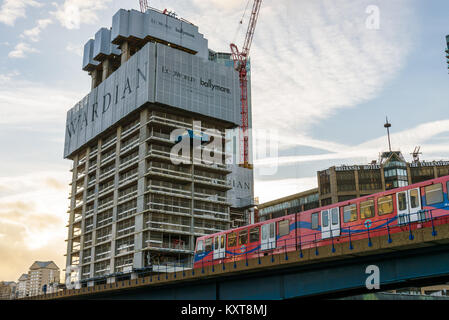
(216, 246)
(367, 209)
(414, 200)
(243, 237)
(222, 242)
(315, 221)
(325, 218)
(334, 213)
(209, 244)
(264, 232)
(402, 201)
(232, 239)
(200, 247)
(271, 230)
(350, 213)
(385, 205)
(254, 234)
(434, 194)
(283, 228)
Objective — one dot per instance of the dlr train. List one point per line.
(423, 204)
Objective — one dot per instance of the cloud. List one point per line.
(33, 34)
(11, 10)
(271, 190)
(21, 50)
(32, 220)
(325, 61)
(72, 13)
(34, 103)
(75, 48)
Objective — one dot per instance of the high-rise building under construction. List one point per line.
(135, 203)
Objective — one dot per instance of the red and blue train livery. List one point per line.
(419, 205)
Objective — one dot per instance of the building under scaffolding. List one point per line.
(132, 208)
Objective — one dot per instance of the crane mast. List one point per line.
(240, 64)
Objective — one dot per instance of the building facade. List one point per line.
(148, 144)
(7, 290)
(42, 273)
(23, 286)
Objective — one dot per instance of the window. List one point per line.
(334, 216)
(199, 247)
(402, 201)
(222, 238)
(385, 205)
(216, 245)
(434, 194)
(208, 245)
(325, 218)
(414, 198)
(350, 213)
(243, 237)
(254, 234)
(272, 230)
(315, 221)
(283, 228)
(232, 239)
(367, 209)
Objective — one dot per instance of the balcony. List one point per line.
(170, 191)
(125, 231)
(167, 245)
(169, 122)
(129, 178)
(129, 145)
(212, 181)
(210, 197)
(127, 130)
(103, 238)
(175, 174)
(127, 196)
(107, 158)
(168, 208)
(109, 142)
(103, 205)
(167, 226)
(126, 162)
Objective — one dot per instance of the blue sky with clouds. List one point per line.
(320, 77)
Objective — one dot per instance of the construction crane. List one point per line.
(240, 62)
(144, 6)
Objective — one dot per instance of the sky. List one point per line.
(324, 75)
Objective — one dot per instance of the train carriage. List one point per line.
(419, 205)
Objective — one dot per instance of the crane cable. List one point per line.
(240, 22)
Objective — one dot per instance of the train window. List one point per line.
(208, 244)
(243, 237)
(414, 198)
(199, 247)
(367, 209)
(434, 193)
(283, 228)
(222, 241)
(325, 218)
(264, 233)
(402, 201)
(334, 216)
(272, 230)
(385, 205)
(232, 239)
(315, 221)
(216, 244)
(350, 213)
(254, 234)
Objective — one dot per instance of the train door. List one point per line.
(219, 246)
(268, 236)
(330, 223)
(409, 205)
